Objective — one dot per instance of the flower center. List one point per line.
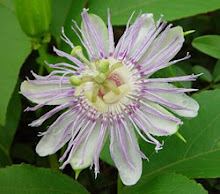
(103, 83)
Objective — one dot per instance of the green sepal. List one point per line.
(188, 32)
(77, 172)
(180, 137)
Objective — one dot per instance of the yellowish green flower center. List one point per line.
(104, 82)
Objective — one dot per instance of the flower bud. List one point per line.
(34, 16)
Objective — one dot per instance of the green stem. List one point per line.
(42, 53)
(54, 162)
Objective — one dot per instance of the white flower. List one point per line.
(111, 95)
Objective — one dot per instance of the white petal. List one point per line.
(169, 127)
(76, 161)
(171, 35)
(128, 175)
(180, 99)
(49, 141)
(29, 89)
(101, 28)
(145, 31)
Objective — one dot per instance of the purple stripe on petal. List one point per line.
(154, 98)
(99, 43)
(69, 57)
(170, 79)
(111, 35)
(168, 90)
(66, 39)
(146, 45)
(99, 145)
(49, 114)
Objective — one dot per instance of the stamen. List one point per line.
(87, 79)
(95, 93)
(75, 80)
(104, 66)
(77, 52)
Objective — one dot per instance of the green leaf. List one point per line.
(26, 179)
(216, 72)
(23, 152)
(7, 132)
(9, 4)
(16, 48)
(200, 156)
(63, 12)
(13, 115)
(60, 10)
(166, 184)
(172, 9)
(209, 44)
(4, 157)
(217, 86)
(206, 76)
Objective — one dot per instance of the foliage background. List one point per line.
(192, 167)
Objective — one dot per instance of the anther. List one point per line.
(104, 66)
(75, 81)
(78, 53)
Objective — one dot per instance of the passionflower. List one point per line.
(109, 94)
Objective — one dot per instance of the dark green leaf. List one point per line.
(16, 49)
(23, 152)
(62, 15)
(7, 132)
(217, 86)
(199, 157)
(166, 184)
(4, 157)
(26, 179)
(209, 44)
(172, 9)
(206, 76)
(60, 10)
